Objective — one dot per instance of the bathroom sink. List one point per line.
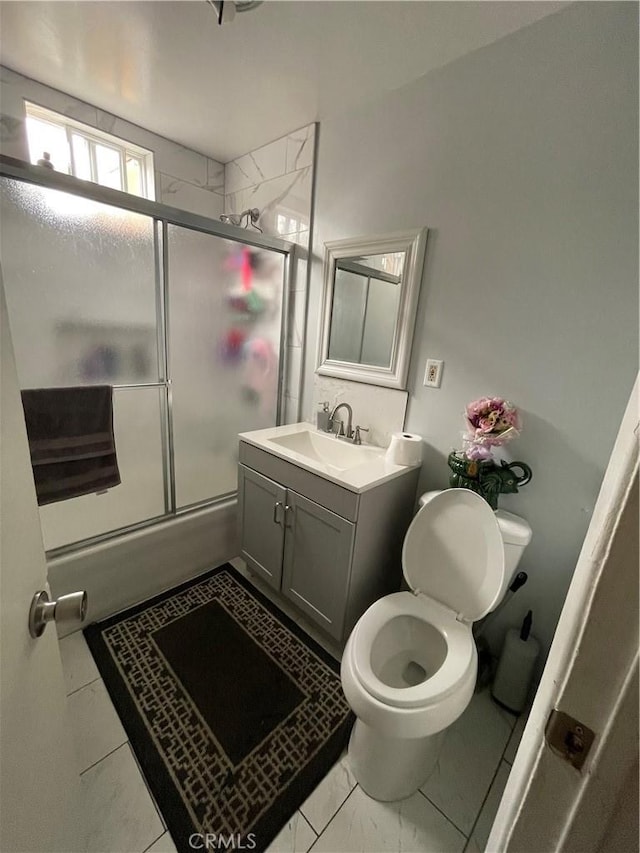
(357, 467)
(327, 450)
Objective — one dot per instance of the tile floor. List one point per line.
(453, 811)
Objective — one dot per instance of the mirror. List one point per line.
(371, 287)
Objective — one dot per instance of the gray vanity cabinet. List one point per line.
(329, 550)
(262, 524)
(317, 557)
(296, 546)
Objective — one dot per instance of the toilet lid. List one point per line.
(453, 552)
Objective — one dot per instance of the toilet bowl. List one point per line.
(409, 666)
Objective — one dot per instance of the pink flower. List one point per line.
(491, 422)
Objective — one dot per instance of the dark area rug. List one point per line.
(234, 714)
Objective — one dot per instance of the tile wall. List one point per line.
(184, 178)
(278, 179)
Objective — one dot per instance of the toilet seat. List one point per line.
(453, 560)
(459, 649)
(454, 552)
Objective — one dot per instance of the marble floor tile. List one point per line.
(120, 814)
(482, 829)
(96, 726)
(164, 844)
(516, 737)
(77, 662)
(321, 805)
(296, 837)
(363, 825)
(471, 751)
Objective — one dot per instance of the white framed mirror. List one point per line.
(371, 288)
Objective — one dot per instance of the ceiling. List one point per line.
(225, 90)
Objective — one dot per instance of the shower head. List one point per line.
(251, 215)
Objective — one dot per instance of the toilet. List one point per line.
(409, 666)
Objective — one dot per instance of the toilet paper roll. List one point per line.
(405, 449)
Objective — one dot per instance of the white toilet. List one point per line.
(409, 666)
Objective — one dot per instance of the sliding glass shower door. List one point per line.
(80, 283)
(224, 322)
(184, 324)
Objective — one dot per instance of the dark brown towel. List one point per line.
(73, 450)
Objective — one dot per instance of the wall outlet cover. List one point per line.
(433, 373)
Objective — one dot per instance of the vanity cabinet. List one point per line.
(328, 550)
(262, 504)
(297, 546)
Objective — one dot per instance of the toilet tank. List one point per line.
(516, 535)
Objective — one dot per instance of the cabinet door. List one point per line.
(317, 561)
(261, 510)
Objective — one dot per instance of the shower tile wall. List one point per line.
(278, 179)
(184, 178)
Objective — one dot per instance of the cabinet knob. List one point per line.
(275, 511)
(286, 510)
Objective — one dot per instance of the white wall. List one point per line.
(522, 160)
(184, 178)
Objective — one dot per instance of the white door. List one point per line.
(40, 808)
(592, 675)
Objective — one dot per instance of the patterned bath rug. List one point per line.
(234, 714)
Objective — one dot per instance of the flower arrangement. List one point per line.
(491, 422)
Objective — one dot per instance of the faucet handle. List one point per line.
(357, 439)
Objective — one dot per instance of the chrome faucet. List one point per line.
(341, 430)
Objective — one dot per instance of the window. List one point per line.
(290, 226)
(88, 153)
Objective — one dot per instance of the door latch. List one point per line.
(568, 738)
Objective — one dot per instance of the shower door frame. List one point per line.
(162, 215)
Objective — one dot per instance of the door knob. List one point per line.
(67, 608)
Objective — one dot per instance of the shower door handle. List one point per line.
(67, 608)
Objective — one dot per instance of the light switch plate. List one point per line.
(433, 373)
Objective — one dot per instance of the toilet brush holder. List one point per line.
(516, 667)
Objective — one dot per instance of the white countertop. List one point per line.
(359, 478)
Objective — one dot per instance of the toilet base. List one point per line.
(389, 768)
